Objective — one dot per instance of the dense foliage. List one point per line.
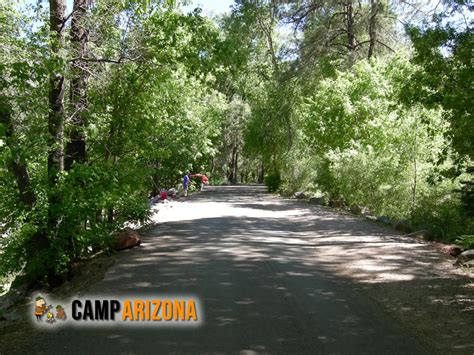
(105, 103)
(345, 110)
(138, 95)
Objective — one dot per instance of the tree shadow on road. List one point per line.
(284, 277)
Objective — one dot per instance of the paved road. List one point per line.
(252, 260)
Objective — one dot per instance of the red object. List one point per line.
(163, 195)
(203, 177)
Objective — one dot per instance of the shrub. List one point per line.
(273, 181)
(467, 241)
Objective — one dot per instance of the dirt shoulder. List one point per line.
(15, 326)
(411, 279)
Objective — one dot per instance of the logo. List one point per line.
(48, 313)
(102, 311)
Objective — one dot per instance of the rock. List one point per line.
(336, 203)
(403, 226)
(424, 234)
(317, 201)
(469, 263)
(453, 250)
(356, 209)
(465, 258)
(126, 239)
(299, 195)
(383, 219)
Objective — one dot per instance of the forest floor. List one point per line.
(276, 275)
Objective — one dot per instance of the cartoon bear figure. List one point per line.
(60, 313)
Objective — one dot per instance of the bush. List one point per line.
(467, 241)
(441, 214)
(360, 144)
(273, 182)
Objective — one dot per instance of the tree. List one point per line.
(443, 50)
(341, 29)
(76, 145)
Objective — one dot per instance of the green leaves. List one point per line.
(443, 51)
(166, 92)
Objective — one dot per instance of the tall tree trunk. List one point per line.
(212, 166)
(374, 7)
(415, 171)
(230, 174)
(233, 165)
(261, 172)
(351, 40)
(236, 165)
(76, 146)
(55, 127)
(56, 95)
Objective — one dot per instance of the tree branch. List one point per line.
(105, 60)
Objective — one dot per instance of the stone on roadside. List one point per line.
(403, 226)
(465, 258)
(299, 195)
(336, 203)
(126, 239)
(453, 250)
(423, 234)
(317, 201)
(469, 263)
(356, 209)
(383, 219)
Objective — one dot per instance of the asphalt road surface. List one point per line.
(253, 260)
